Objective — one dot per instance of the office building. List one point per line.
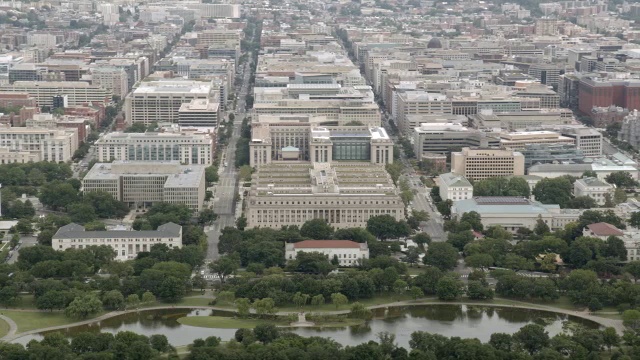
(588, 140)
(199, 113)
(418, 102)
(336, 111)
(535, 154)
(600, 92)
(594, 188)
(76, 92)
(160, 101)
(482, 163)
(126, 244)
(345, 194)
(348, 253)
(289, 138)
(187, 147)
(44, 144)
(114, 79)
(518, 140)
(9, 156)
(446, 137)
(140, 184)
(455, 187)
(513, 213)
(630, 129)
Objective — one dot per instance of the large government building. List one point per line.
(188, 147)
(305, 138)
(345, 194)
(126, 244)
(140, 184)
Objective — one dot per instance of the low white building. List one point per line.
(126, 244)
(602, 230)
(455, 187)
(348, 252)
(593, 188)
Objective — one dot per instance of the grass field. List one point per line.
(27, 321)
(4, 328)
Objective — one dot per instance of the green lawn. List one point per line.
(4, 328)
(36, 320)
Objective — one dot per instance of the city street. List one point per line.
(223, 203)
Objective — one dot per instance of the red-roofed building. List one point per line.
(602, 230)
(346, 251)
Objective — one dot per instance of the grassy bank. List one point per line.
(27, 321)
(4, 328)
(222, 322)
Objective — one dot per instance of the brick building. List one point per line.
(595, 92)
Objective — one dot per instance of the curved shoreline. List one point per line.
(606, 322)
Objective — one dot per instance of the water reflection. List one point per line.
(448, 320)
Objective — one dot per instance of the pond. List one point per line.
(465, 321)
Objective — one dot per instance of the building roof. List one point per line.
(604, 229)
(75, 231)
(326, 244)
(503, 204)
(452, 179)
(591, 181)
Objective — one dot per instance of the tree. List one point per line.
(479, 261)
(621, 179)
(631, 318)
(58, 194)
(412, 256)
(476, 290)
(472, 218)
(359, 235)
(386, 227)
(610, 338)
(441, 255)
(634, 219)
(265, 306)
(311, 262)
(633, 268)
(554, 191)
(582, 202)
(359, 311)
(533, 337)
(449, 287)
(53, 299)
(224, 266)
(95, 226)
(133, 301)
(541, 227)
(171, 289)
(317, 300)
(24, 226)
(159, 343)
(148, 297)
(614, 248)
(400, 287)
(317, 229)
(113, 300)
(422, 239)
(444, 208)
(83, 306)
(266, 333)
(241, 223)
(211, 174)
(244, 306)
(206, 216)
(338, 300)
(81, 213)
(500, 186)
(619, 196)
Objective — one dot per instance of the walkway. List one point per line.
(13, 327)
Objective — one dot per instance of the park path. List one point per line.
(13, 327)
(616, 324)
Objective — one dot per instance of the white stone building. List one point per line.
(43, 144)
(593, 188)
(140, 184)
(188, 147)
(348, 253)
(455, 187)
(126, 244)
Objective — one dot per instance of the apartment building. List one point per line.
(417, 102)
(303, 138)
(219, 38)
(160, 101)
(126, 244)
(594, 188)
(348, 253)
(482, 163)
(346, 194)
(199, 113)
(43, 144)
(446, 137)
(187, 147)
(140, 184)
(75, 92)
(203, 10)
(518, 140)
